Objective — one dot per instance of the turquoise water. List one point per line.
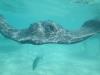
(77, 59)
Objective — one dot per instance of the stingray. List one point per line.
(45, 32)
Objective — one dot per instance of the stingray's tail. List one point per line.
(91, 26)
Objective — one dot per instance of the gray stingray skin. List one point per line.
(45, 32)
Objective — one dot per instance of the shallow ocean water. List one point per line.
(50, 59)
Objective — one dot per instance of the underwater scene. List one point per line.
(82, 58)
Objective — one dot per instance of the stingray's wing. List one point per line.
(10, 32)
(87, 30)
(5, 28)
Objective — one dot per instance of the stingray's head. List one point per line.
(43, 29)
(42, 32)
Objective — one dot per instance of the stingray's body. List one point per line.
(45, 32)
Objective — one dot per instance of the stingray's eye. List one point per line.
(33, 27)
(48, 26)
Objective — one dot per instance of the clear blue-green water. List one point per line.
(77, 59)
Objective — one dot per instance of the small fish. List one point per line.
(36, 62)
